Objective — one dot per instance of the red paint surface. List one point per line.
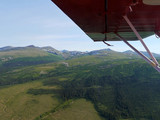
(89, 15)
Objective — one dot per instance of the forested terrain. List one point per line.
(129, 89)
(120, 86)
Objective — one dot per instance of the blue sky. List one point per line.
(42, 23)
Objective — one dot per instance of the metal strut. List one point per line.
(140, 38)
(141, 54)
(153, 62)
(107, 43)
(105, 39)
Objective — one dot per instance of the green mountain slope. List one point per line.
(120, 86)
(123, 89)
(24, 56)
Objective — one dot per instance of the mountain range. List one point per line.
(42, 83)
(71, 54)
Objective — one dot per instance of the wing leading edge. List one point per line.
(113, 20)
(101, 19)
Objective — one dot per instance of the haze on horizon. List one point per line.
(42, 23)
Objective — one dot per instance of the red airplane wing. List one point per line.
(101, 19)
(116, 20)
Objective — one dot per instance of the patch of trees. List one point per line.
(27, 61)
(119, 92)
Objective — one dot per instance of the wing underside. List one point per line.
(101, 19)
(116, 20)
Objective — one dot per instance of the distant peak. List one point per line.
(105, 49)
(109, 49)
(6, 48)
(64, 51)
(31, 46)
(128, 51)
(48, 47)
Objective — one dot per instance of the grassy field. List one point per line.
(16, 104)
(116, 89)
(78, 110)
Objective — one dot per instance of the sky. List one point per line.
(42, 23)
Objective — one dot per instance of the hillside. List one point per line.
(11, 57)
(117, 86)
(128, 89)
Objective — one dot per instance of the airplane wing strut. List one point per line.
(151, 61)
(116, 20)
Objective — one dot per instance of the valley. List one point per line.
(47, 84)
